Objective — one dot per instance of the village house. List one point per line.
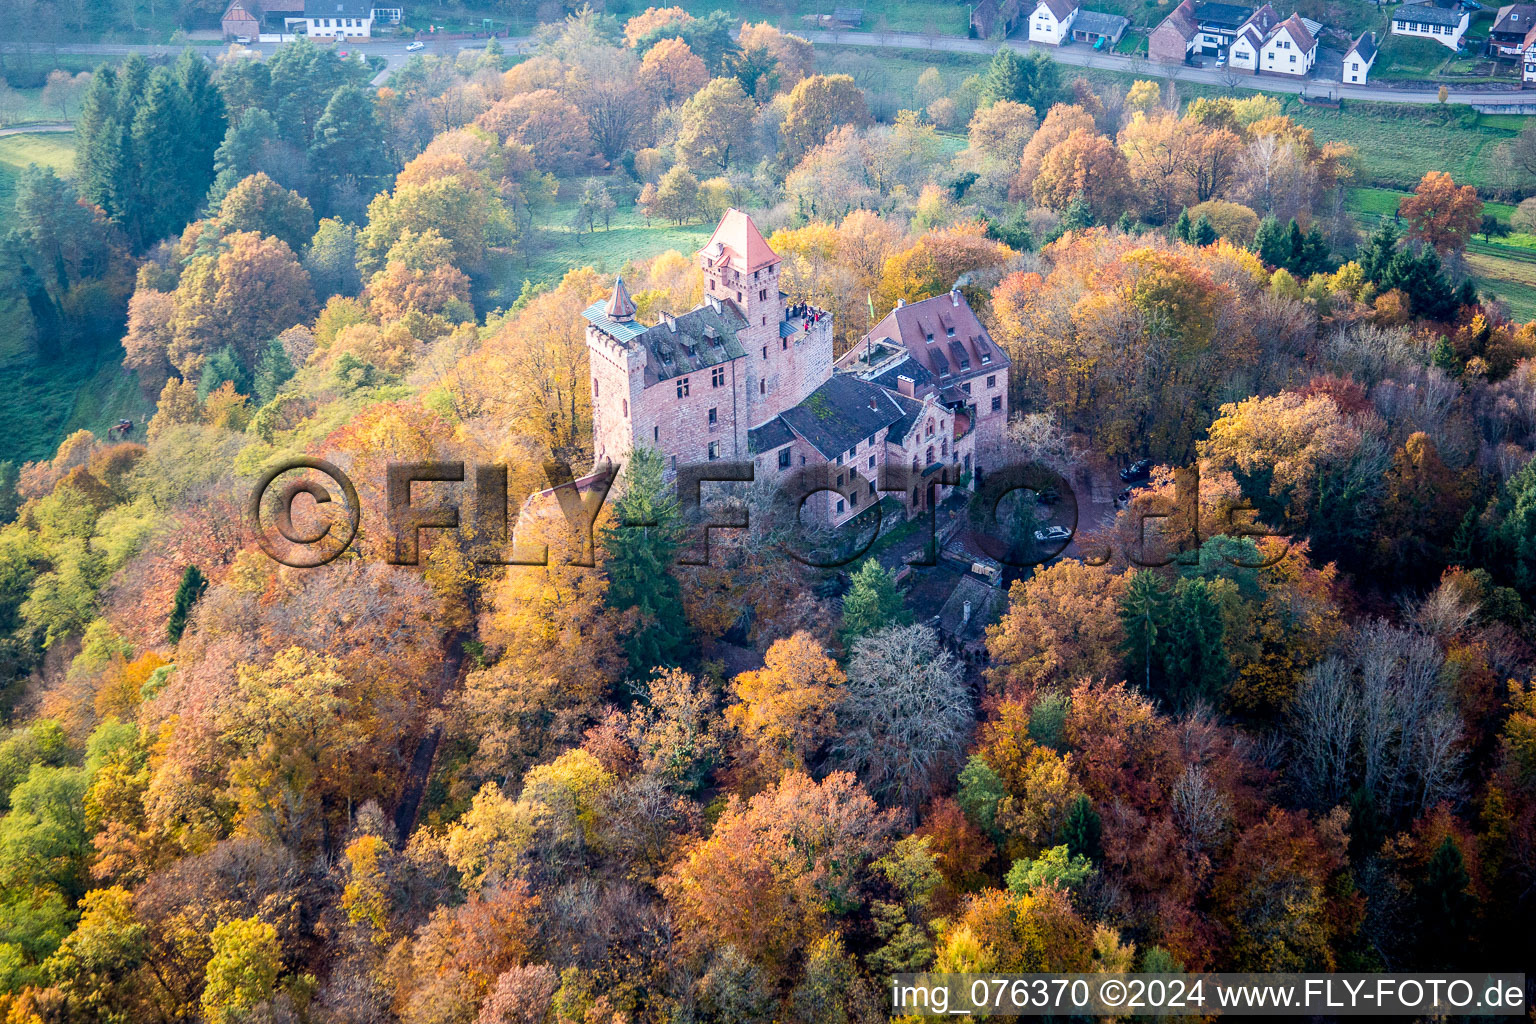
(241, 20)
(1358, 61)
(1051, 20)
(748, 376)
(995, 18)
(1445, 25)
(334, 19)
(1174, 37)
(1506, 39)
(1217, 25)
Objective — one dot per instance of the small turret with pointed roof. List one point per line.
(620, 306)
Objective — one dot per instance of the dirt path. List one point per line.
(41, 126)
(426, 750)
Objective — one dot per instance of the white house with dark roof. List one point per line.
(334, 19)
(1358, 61)
(1051, 21)
(1445, 25)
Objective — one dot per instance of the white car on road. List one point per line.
(1053, 534)
(413, 47)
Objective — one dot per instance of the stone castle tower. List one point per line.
(693, 385)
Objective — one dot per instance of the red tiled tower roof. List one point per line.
(740, 242)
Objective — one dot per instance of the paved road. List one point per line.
(1084, 56)
(394, 52)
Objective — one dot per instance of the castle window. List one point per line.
(930, 455)
(928, 430)
(783, 458)
(625, 403)
(762, 293)
(682, 388)
(717, 376)
(839, 479)
(839, 508)
(871, 464)
(871, 441)
(871, 487)
(738, 296)
(713, 417)
(992, 381)
(762, 387)
(997, 403)
(656, 434)
(944, 447)
(765, 351)
(853, 499)
(714, 450)
(595, 391)
(966, 387)
(784, 344)
(949, 332)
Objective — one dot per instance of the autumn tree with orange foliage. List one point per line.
(1441, 215)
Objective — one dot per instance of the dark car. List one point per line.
(1139, 470)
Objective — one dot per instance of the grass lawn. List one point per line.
(561, 249)
(1398, 143)
(1131, 44)
(1372, 204)
(1512, 280)
(51, 149)
(1406, 57)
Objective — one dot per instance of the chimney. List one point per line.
(900, 303)
(905, 386)
(965, 614)
(874, 405)
(954, 297)
(670, 321)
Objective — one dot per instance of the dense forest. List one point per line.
(642, 791)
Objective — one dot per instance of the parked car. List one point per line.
(1139, 470)
(1049, 496)
(243, 40)
(413, 47)
(1221, 60)
(1053, 535)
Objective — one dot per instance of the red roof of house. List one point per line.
(1304, 40)
(1181, 20)
(743, 245)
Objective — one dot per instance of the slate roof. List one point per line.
(710, 331)
(1514, 20)
(842, 413)
(1097, 23)
(1427, 14)
(1223, 15)
(338, 8)
(987, 606)
(905, 367)
(740, 242)
(911, 408)
(1364, 47)
(773, 434)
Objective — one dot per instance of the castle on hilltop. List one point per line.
(746, 376)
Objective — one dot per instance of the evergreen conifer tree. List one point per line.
(641, 547)
(192, 585)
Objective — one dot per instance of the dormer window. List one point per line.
(949, 332)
